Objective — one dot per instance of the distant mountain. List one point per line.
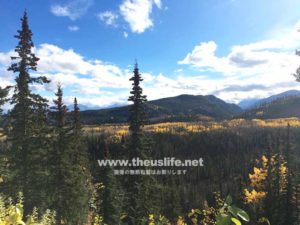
(283, 107)
(89, 107)
(254, 102)
(248, 103)
(82, 107)
(179, 108)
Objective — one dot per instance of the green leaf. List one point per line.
(223, 219)
(236, 221)
(233, 210)
(243, 215)
(228, 200)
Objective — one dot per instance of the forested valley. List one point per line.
(49, 170)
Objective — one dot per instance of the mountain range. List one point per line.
(256, 102)
(199, 107)
(179, 108)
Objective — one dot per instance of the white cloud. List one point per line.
(274, 55)
(137, 13)
(59, 10)
(73, 28)
(80, 77)
(73, 9)
(5, 57)
(72, 68)
(203, 57)
(256, 69)
(109, 17)
(158, 3)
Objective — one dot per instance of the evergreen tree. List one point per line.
(139, 188)
(71, 177)
(137, 116)
(23, 117)
(112, 194)
(80, 177)
(59, 158)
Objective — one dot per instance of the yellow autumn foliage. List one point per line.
(181, 221)
(254, 196)
(115, 132)
(258, 179)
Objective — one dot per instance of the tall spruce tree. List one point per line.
(140, 189)
(26, 109)
(58, 158)
(70, 170)
(137, 115)
(80, 177)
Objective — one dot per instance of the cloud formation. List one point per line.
(137, 13)
(109, 17)
(254, 70)
(74, 9)
(274, 56)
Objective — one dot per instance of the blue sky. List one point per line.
(235, 49)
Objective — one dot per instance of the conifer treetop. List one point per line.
(28, 60)
(137, 110)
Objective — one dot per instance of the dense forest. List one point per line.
(50, 173)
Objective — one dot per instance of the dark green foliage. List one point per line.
(180, 108)
(229, 156)
(137, 116)
(26, 155)
(140, 190)
(110, 198)
(112, 194)
(70, 169)
(59, 157)
(79, 173)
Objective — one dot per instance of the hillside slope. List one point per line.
(248, 104)
(279, 108)
(179, 108)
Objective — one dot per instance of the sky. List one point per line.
(233, 49)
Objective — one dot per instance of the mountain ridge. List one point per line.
(256, 102)
(179, 108)
(284, 107)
